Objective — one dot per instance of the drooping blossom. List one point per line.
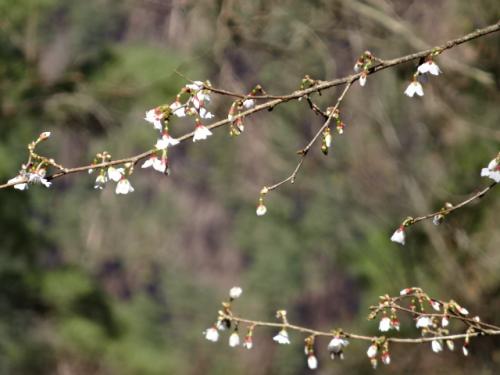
(445, 321)
(115, 174)
(234, 339)
(336, 346)
(429, 67)
(178, 109)
(201, 132)
(386, 358)
(436, 305)
(248, 342)
(124, 187)
(399, 235)
(450, 344)
(38, 177)
(282, 337)
(261, 209)
(437, 346)
(312, 361)
(414, 88)
(362, 79)
(100, 181)
(492, 170)
(372, 351)
(211, 334)
(423, 322)
(385, 324)
(165, 141)
(156, 163)
(154, 116)
(205, 114)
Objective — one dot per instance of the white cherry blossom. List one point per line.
(100, 181)
(372, 351)
(492, 170)
(154, 116)
(248, 103)
(178, 109)
(423, 322)
(437, 346)
(312, 362)
(211, 334)
(165, 141)
(429, 67)
(399, 235)
(234, 339)
(124, 187)
(115, 174)
(282, 337)
(414, 88)
(201, 132)
(385, 324)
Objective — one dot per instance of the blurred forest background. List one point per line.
(94, 283)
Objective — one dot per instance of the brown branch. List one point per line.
(313, 332)
(446, 211)
(277, 100)
(304, 151)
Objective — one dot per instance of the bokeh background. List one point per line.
(94, 283)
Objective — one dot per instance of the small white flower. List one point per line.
(234, 339)
(154, 116)
(399, 235)
(38, 177)
(159, 165)
(124, 187)
(450, 344)
(312, 362)
(372, 351)
(115, 174)
(386, 358)
(205, 114)
(248, 103)
(436, 346)
(435, 305)
(235, 292)
(385, 324)
(211, 334)
(429, 67)
(282, 337)
(195, 86)
(202, 96)
(178, 109)
(445, 322)
(336, 345)
(261, 209)
(201, 132)
(21, 186)
(165, 141)
(100, 181)
(414, 88)
(328, 140)
(248, 343)
(423, 322)
(492, 171)
(362, 79)
(465, 350)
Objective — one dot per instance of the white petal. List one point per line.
(398, 236)
(312, 362)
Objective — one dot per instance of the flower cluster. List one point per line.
(235, 111)
(34, 171)
(433, 327)
(363, 64)
(427, 67)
